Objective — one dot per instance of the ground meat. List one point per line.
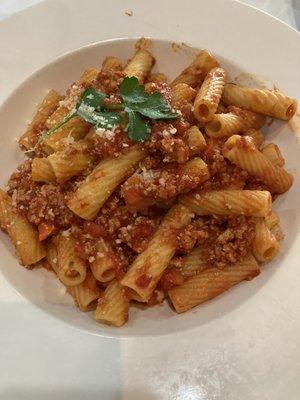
(170, 140)
(109, 81)
(105, 143)
(114, 215)
(21, 178)
(87, 237)
(171, 277)
(126, 228)
(228, 240)
(223, 174)
(147, 187)
(138, 234)
(50, 204)
(186, 109)
(41, 203)
(255, 184)
(193, 233)
(231, 177)
(176, 262)
(157, 297)
(224, 241)
(161, 87)
(153, 161)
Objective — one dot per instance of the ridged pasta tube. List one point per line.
(23, 235)
(265, 245)
(103, 180)
(195, 73)
(210, 283)
(41, 170)
(242, 152)
(225, 125)
(255, 203)
(140, 65)
(50, 102)
(71, 268)
(147, 268)
(209, 95)
(268, 102)
(113, 306)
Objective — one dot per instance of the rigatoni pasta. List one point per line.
(240, 151)
(147, 268)
(87, 293)
(195, 73)
(42, 170)
(112, 64)
(140, 65)
(196, 140)
(273, 153)
(113, 306)
(98, 186)
(71, 269)
(181, 93)
(194, 263)
(265, 244)
(23, 235)
(73, 130)
(228, 124)
(209, 95)
(137, 190)
(264, 101)
(47, 107)
(254, 203)
(70, 161)
(210, 283)
(256, 136)
(104, 264)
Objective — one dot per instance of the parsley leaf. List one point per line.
(138, 130)
(138, 102)
(132, 91)
(155, 107)
(99, 119)
(89, 108)
(92, 98)
(106, 119)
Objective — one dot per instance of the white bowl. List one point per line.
(40, 286)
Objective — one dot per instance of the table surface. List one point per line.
(285, 10)
(28, 374)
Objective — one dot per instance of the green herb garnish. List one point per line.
(138, 130)
(136, 102)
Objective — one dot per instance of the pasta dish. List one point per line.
(140, 189)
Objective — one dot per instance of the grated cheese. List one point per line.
(66, 233)
(107, 133)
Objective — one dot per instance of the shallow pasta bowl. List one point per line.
(44, 290)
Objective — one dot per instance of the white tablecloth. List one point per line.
(286, 10)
